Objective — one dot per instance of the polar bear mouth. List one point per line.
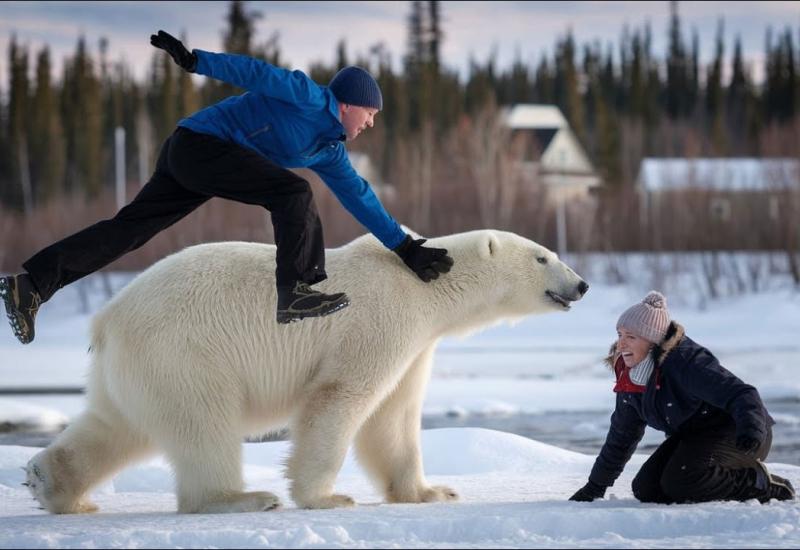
(557, 298)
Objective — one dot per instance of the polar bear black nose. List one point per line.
(583, 287)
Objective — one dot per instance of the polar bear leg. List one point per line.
(90, 450)
(321, 434)
(208, 472)
(388, 447)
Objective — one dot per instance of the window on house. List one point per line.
(774, 208)
(720, 209)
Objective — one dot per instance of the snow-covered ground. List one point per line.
(513, 494)
(513, 490)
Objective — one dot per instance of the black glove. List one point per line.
(427, 263)
(589, 492)
(747, 444)
(174, 47)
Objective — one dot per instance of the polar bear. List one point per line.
(188, 359)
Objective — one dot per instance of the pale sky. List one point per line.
(309, 31)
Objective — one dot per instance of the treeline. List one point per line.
(624, 103)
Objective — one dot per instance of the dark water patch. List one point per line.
(580, 431)
(27, 438)
(585, 431)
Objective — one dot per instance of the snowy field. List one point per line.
(513, 490)
(513, 494)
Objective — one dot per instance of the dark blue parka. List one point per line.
(688, 391)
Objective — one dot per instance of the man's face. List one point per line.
(356, 119)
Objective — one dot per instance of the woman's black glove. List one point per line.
(427, 263)
(589, 492)
(747, 444)
(174, 47)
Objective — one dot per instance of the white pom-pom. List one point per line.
(655, 299)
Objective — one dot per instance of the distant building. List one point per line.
(556, 159)
(724, 185)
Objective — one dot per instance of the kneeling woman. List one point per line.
(718, 431)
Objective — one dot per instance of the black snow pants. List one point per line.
(191, 168)
(699, 467)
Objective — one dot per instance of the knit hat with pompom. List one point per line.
(648, 319)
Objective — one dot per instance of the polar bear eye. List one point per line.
(542, 260)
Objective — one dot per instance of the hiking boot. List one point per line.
(22, 303)
(298, 302)
(772, 486)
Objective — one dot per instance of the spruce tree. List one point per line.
(47, 135)
(567, 92)
(714, 104)
(544, 82)
(638, 77)
(237, 39)
(18, 194)
(653, 90)
(790, 83)
(738, 102)
(241, 29)
(81, 108)
(772, 82)
(677, 68)
(415, 66)
(693, 96)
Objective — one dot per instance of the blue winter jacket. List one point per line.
(294, 122)
(688, 391)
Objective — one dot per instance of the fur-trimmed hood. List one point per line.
(672, 338)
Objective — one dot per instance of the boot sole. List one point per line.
(287, 317)
(784, 484)
(11, 308)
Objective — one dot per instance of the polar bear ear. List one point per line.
(490, 245)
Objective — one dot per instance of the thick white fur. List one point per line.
(188, 359)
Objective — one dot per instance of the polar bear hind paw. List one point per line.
(332, 501)
(39, 482)
(35, 480)
(439, 493)
(257, 501)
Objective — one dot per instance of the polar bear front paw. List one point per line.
(332, 501)
(438, 493)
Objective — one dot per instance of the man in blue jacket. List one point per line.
(241, 149)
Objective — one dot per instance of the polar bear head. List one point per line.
(515, 276)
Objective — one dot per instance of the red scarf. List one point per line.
(624, 382)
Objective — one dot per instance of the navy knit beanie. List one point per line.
(355, 86)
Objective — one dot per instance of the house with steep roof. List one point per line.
(556, 158)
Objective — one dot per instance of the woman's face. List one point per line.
(633, 348)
